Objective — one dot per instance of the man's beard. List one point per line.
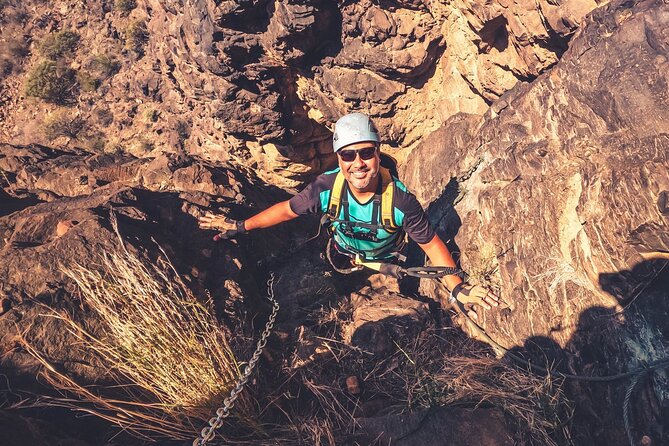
(362, 183)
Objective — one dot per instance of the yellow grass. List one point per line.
(165, 348)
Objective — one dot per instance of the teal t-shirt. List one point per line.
(349, 230)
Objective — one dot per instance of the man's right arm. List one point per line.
(274, 215)
(278, 213)
(306, 202)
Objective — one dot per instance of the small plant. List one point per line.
(146, 146)
(125, 6)
(51, 82)
(96, 144)
(151, 115)
(62, 123)
(183, 131)
(136, 36)
(484, 268)
(104, 65)
(59, 44)
(87, 81)
(105, 117)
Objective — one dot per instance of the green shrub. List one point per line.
(51, 82)
(136, 36)
(96, 143)
(59, 44)
(62, 123)
(98, 68)
(87, 81)
(151, 115)
(104, 65)
(125, 6)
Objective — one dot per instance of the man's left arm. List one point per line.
(439, 255)
(419, 229)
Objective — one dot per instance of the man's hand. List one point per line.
(470, 295)
(229, 228)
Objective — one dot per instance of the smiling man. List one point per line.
(368, 209)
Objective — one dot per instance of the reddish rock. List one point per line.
(352, 385)
(63, 226)
(461, 427)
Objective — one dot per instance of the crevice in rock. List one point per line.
(494, 34)
(10, 203)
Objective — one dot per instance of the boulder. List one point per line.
(435, 427)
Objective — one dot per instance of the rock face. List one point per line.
(567, 167)
(258, 83)
(555, 194)
(546, 167)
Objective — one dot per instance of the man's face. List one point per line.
(360, 173)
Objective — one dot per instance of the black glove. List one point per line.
(470, 295)
(236, 228)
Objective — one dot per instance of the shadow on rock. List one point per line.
(607, 343)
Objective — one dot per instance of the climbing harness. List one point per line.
(421, 272)
(208, 432)
(382, 217)
(339, 200)
(329, 249)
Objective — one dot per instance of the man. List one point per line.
(369, 210)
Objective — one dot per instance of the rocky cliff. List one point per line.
(535, 133)
(259, 83)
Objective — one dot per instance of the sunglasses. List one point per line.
(349, 155)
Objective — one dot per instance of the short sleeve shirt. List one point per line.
(407, 212)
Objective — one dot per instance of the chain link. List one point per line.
(208, 432)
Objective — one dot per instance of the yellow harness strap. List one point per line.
(387, 195)
(335, 196)
(388, 189)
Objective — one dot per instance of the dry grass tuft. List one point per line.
(537, 405)
(484, 269)
(441, 367)
(558, 272)
(165, 348)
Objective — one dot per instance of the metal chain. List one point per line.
(208, 432)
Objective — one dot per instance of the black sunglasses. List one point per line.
(348, 155)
